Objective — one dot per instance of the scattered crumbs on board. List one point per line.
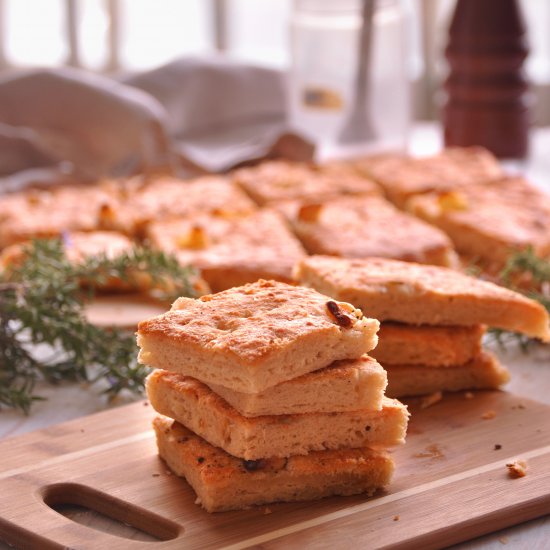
(488, 415)
(431, 399)
(517, 469)
(396, 518)
(431, 451)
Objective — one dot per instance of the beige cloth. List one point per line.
(222, 112)
(80, 123)
(210, 114)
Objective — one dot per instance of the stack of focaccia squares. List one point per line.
(433, 319)
(266, 394)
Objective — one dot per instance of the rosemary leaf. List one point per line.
(42, 309)
(527, 274)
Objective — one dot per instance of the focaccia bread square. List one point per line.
(78, 247)
(231, 250)
(166, 197)
(82, 246)
(483, 372)
(431, 346)
(278, 180)
(223, 482)
(198, 408)
(390, 290)
(51, 212)
(454, 168)
(347, 385)
(253, 337)
(367, 226)
(490, 222)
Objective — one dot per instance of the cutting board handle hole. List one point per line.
(107, 513)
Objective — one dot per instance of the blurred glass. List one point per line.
(258, 31)
(325, 54)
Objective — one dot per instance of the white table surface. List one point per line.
(530, 373)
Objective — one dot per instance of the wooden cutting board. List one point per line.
(451, 484)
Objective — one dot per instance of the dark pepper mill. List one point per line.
(487, 92)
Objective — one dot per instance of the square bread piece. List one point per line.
(50, 212)
(390, 290)
(454, 168)
(253, 337)
(347, 385)
(198, 408)
(79, 247)
(400, 344)
(278, 180)
(491, 221)
(231, 251)
(484, 372)
(366, 226)
(163, 198)
(223, 482)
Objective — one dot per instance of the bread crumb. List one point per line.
(468, 395)
(431, 399)
(146, 403)
(516, 469)
(395, 518)
(155, 475)
(431, 451)
(267, 511)
(497, 447)
(503, 540)
(489, 415)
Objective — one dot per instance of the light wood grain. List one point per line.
(451, 485)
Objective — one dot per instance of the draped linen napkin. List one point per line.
(223, 112)
(205, 114)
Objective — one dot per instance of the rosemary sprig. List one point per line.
(526, 262)
(528, 274)
(42, 306)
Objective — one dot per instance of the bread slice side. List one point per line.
(198, 408)
(484, 372)
(347, 385)
(223, 482)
